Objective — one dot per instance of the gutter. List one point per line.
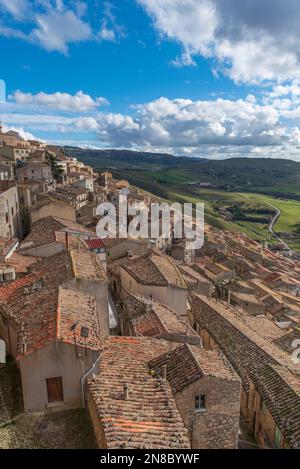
(82, 379)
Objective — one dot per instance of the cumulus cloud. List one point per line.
(23, 133)
(251, 40)
(79, 102)
(56, 29)
(219, 128)
(53, 26)
(184, 123)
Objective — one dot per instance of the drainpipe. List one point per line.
(82, 379)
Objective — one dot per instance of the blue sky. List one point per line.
(184, 76)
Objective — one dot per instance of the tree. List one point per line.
(56, 170)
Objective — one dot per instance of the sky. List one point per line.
(203, 78)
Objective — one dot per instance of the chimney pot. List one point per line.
(164, 372)
(126, 392)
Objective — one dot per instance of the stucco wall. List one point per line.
(174, 297)
(67, 212)
(58, 359)
(9, 201)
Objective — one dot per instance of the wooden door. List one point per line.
(55, 390)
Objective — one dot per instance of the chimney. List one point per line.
(164, 372)
(148, 307)
(126, 392)
(67, 242)
(229, 297)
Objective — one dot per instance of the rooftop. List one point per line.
(280, 390)
(44, 231)
(190, 272)
(187, 364)
(156, 320)
(86, 265)
(80, 309)
(154, 269)
(240, 341)
(216, 268)
(149, 417)
(40, 296)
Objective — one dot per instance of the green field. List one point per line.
(288, 224)
(240, 194)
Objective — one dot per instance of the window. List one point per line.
(200, 402)
(277, 437)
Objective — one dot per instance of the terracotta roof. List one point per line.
(87, 265)
(80, 309)
(44, 231)
(95, 243)
(156, 319)
(187, 364)
(154, 269)
(246, 298)
(285, 342)
(280, 390)
(244, 347)
(192, 273)
(33, 301)
(149, 418)
(216, 268)
(21, 263)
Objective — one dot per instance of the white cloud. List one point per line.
(16, 8)
(251, 40)
(107, 34)
(183, 123)
(23, 133)
(110, 29)
(53, 25)
(56, 29)
(79, 102)
(219, 128)
(86, 124)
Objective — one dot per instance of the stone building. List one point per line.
(55, 335)
(143, 317)
(154, 394)
(250, 344)
(274, 407)
(15, 153)
(152, 275)
(10, 224)
(36, 171)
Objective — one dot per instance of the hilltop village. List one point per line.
(162, 347)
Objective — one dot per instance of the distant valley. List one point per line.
(240, 194)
